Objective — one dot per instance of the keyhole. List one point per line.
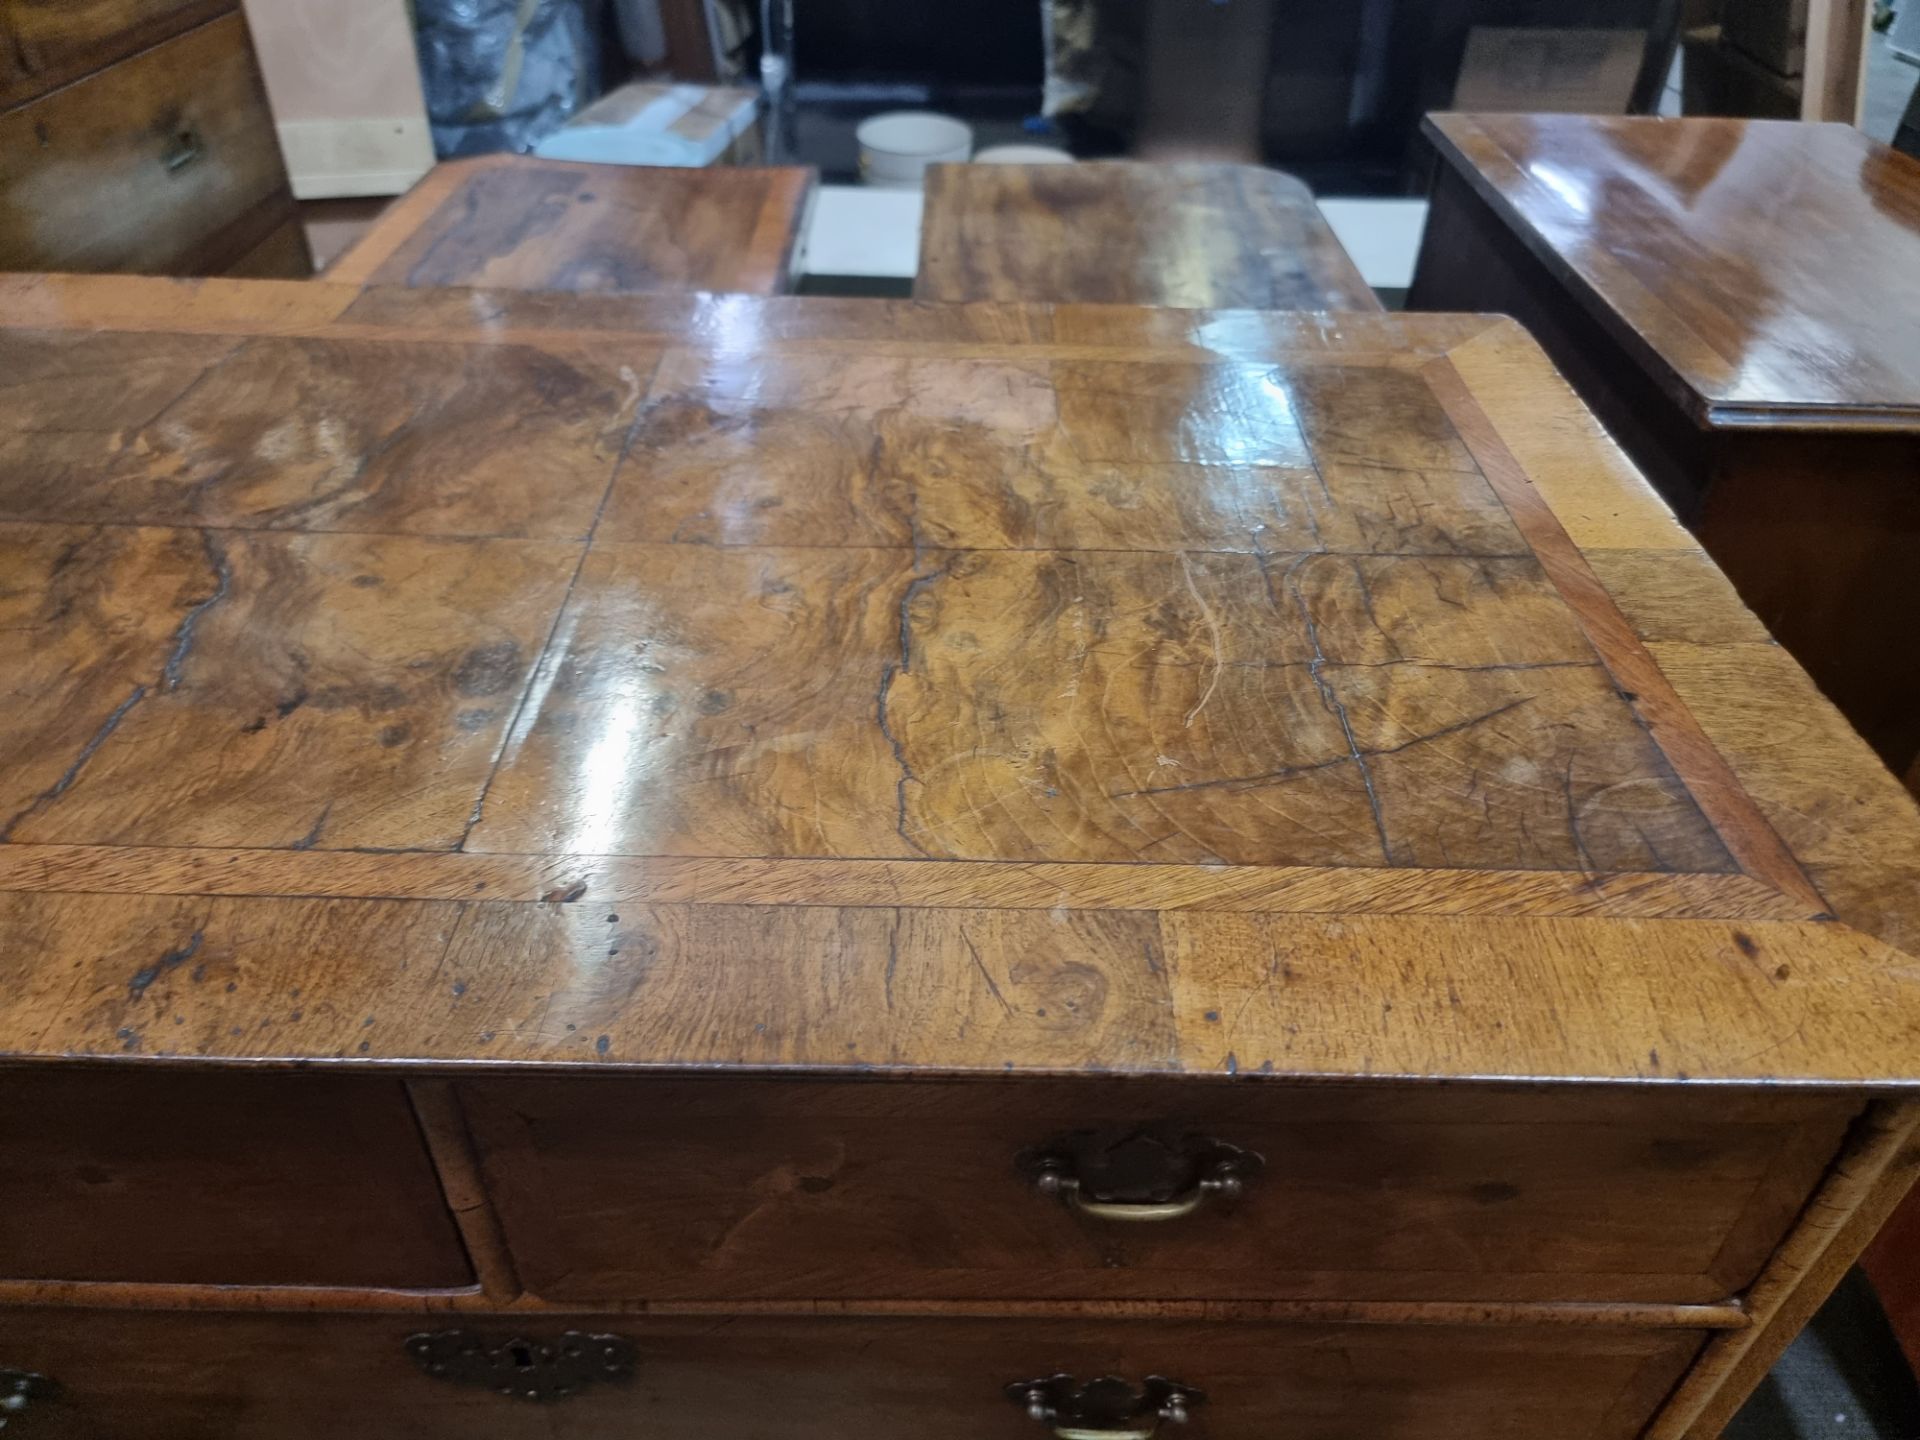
(522, 1356)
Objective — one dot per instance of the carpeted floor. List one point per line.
(1844, 1378)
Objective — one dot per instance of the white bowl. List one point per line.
(897, 147)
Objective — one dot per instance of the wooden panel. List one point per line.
(1821, 533)
(283, 255)
(158, 165)
(343, 727)
(313, 435)
(1671, 234)
(1868, 1180)
(55, 41)
(842, 725)
(519, 223)
(206, 1377)
(869, 1190)
(1889, 1263)
(1232, 236)
(197, 1178)
(1809, 510)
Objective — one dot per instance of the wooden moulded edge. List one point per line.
(1873, 1173)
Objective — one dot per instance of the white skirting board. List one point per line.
(331, 159)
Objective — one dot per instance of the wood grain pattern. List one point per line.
(941, 885)
(1876, 1169)
(1228, 236)
(991, 698)
(1774, 409)
(443, 1125)
(805, 1189)
(1748, 836)
(516, 222)
(221, 688)
(301, 1377)
(312, 434)
(166, 163)
(721, 324)
(971, 991)
(469, 1301)
(1211, 610)
(55, 41)
(196, 1178)
(1676, 238)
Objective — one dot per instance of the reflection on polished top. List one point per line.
(1766, 265)
(686, 680)
(1114, 231)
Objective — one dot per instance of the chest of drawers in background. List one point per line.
(980, 870)
(135, 137)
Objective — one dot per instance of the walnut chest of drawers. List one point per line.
(135, 137)
(722, 867)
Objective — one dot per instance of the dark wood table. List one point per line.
(1193, 235)
(516, 222)
(736, 867)
(1737, 302)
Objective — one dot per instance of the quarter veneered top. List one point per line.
(1734, 254)
(1139, 234)
(688, 681)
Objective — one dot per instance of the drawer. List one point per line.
(640, 1189)
(54, 41)
(198, 1376)
(219, 1178)
(156, 165)
(283, 255)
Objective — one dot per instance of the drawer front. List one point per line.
(54, 41)
(283, 255)
(155, 165)
(198, 1178)
(736, 1189)
(308, 1377)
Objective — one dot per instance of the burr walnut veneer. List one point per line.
(1139, 234)
(515, 222)
(734, 867)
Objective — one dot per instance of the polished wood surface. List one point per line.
(1699, 283)
(1195, 235)
(802, 1189)
(1004, 700)
(195, 1178)
(520, 223)
(307, 1377)
(163, 163)
(1729, 253)
(1414, 720)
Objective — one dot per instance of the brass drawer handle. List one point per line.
(1108, 1408)
(19, 1389)
(182, 150)
(524, 1368)
(1140, 1177)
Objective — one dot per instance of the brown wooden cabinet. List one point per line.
(784, 866)
(135, 137)
(1732, 299)
(187, 1177)
(754, 1190)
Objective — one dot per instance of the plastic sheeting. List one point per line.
(500, 74)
